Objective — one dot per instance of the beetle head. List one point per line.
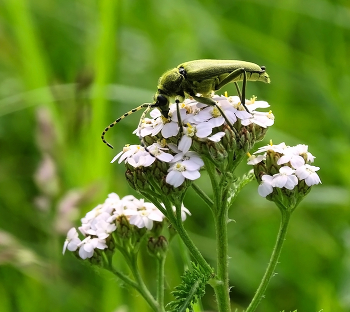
(162, 103)
(260, 76)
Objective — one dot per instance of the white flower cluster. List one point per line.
(295, 167)
(99, 223)
(200, 122)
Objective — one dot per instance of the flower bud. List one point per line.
(157, 228)
(229, 139)
(271, 162)
(130, 178)
(96, 259)
(157, 247)
(124, 228)
(217, 151)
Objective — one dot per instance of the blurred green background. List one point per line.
(70, 67)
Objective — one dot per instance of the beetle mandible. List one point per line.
(198, 77)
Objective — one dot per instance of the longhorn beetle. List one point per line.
(200, 76)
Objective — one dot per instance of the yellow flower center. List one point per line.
(190, 130)
(179, 167)
(215, 112)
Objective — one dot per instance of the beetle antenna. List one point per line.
(141, 138)
(119, 119)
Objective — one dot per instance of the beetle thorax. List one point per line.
(170, 83)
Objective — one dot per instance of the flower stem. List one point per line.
(202, 195)
(179, 227)
(141, 287)
(121, 276)
(222, 287)
(160, 280)
(286, 214)
(193, 248)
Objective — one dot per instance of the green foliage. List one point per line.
(191, 289)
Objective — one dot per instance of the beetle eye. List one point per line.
(263, 68)
(162, 100)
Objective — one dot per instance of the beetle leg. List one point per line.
(179, 121)
(211, 102)
(243, 91)
(238, 90)
(233, 75)
(230, 77)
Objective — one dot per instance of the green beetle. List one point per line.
(198, 79)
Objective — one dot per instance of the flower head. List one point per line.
(100, 223)
(285, 168)
(193, 127)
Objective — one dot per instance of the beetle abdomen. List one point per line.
(205, 69)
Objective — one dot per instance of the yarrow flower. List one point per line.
(100, 223)
(184, 165)
(198, 130)
(308, 173)
(72, 241)
(284, 167)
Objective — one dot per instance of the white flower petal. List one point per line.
(265, 189)
(203, 129)
(185, 143)
(191, 175)
(170, 129)
(279, 180)
(216, 137)
(313, 179)
(292, 181)
(175, 178)
(166, 157)
(297, 161)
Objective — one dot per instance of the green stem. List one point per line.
(160, 280)
(139, 285)
(222, 286)
(202, 195)
(192, 248)
(214, 181)
(221, 185)
(123, 277)
(142, 288)
(178, 225)
(273, 261)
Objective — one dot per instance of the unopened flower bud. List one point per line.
(157, 228)
(130, 178)
(124, 228)
(157, 247)
(217, 151)
(271, 162)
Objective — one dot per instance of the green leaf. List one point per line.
(191, 289)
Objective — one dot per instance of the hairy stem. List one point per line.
(273, 261)
(202, 195)
(142, 288)
(222, 286)
(160, 280)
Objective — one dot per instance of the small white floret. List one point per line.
(265, 188)
(72, 241)
(308, 173)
